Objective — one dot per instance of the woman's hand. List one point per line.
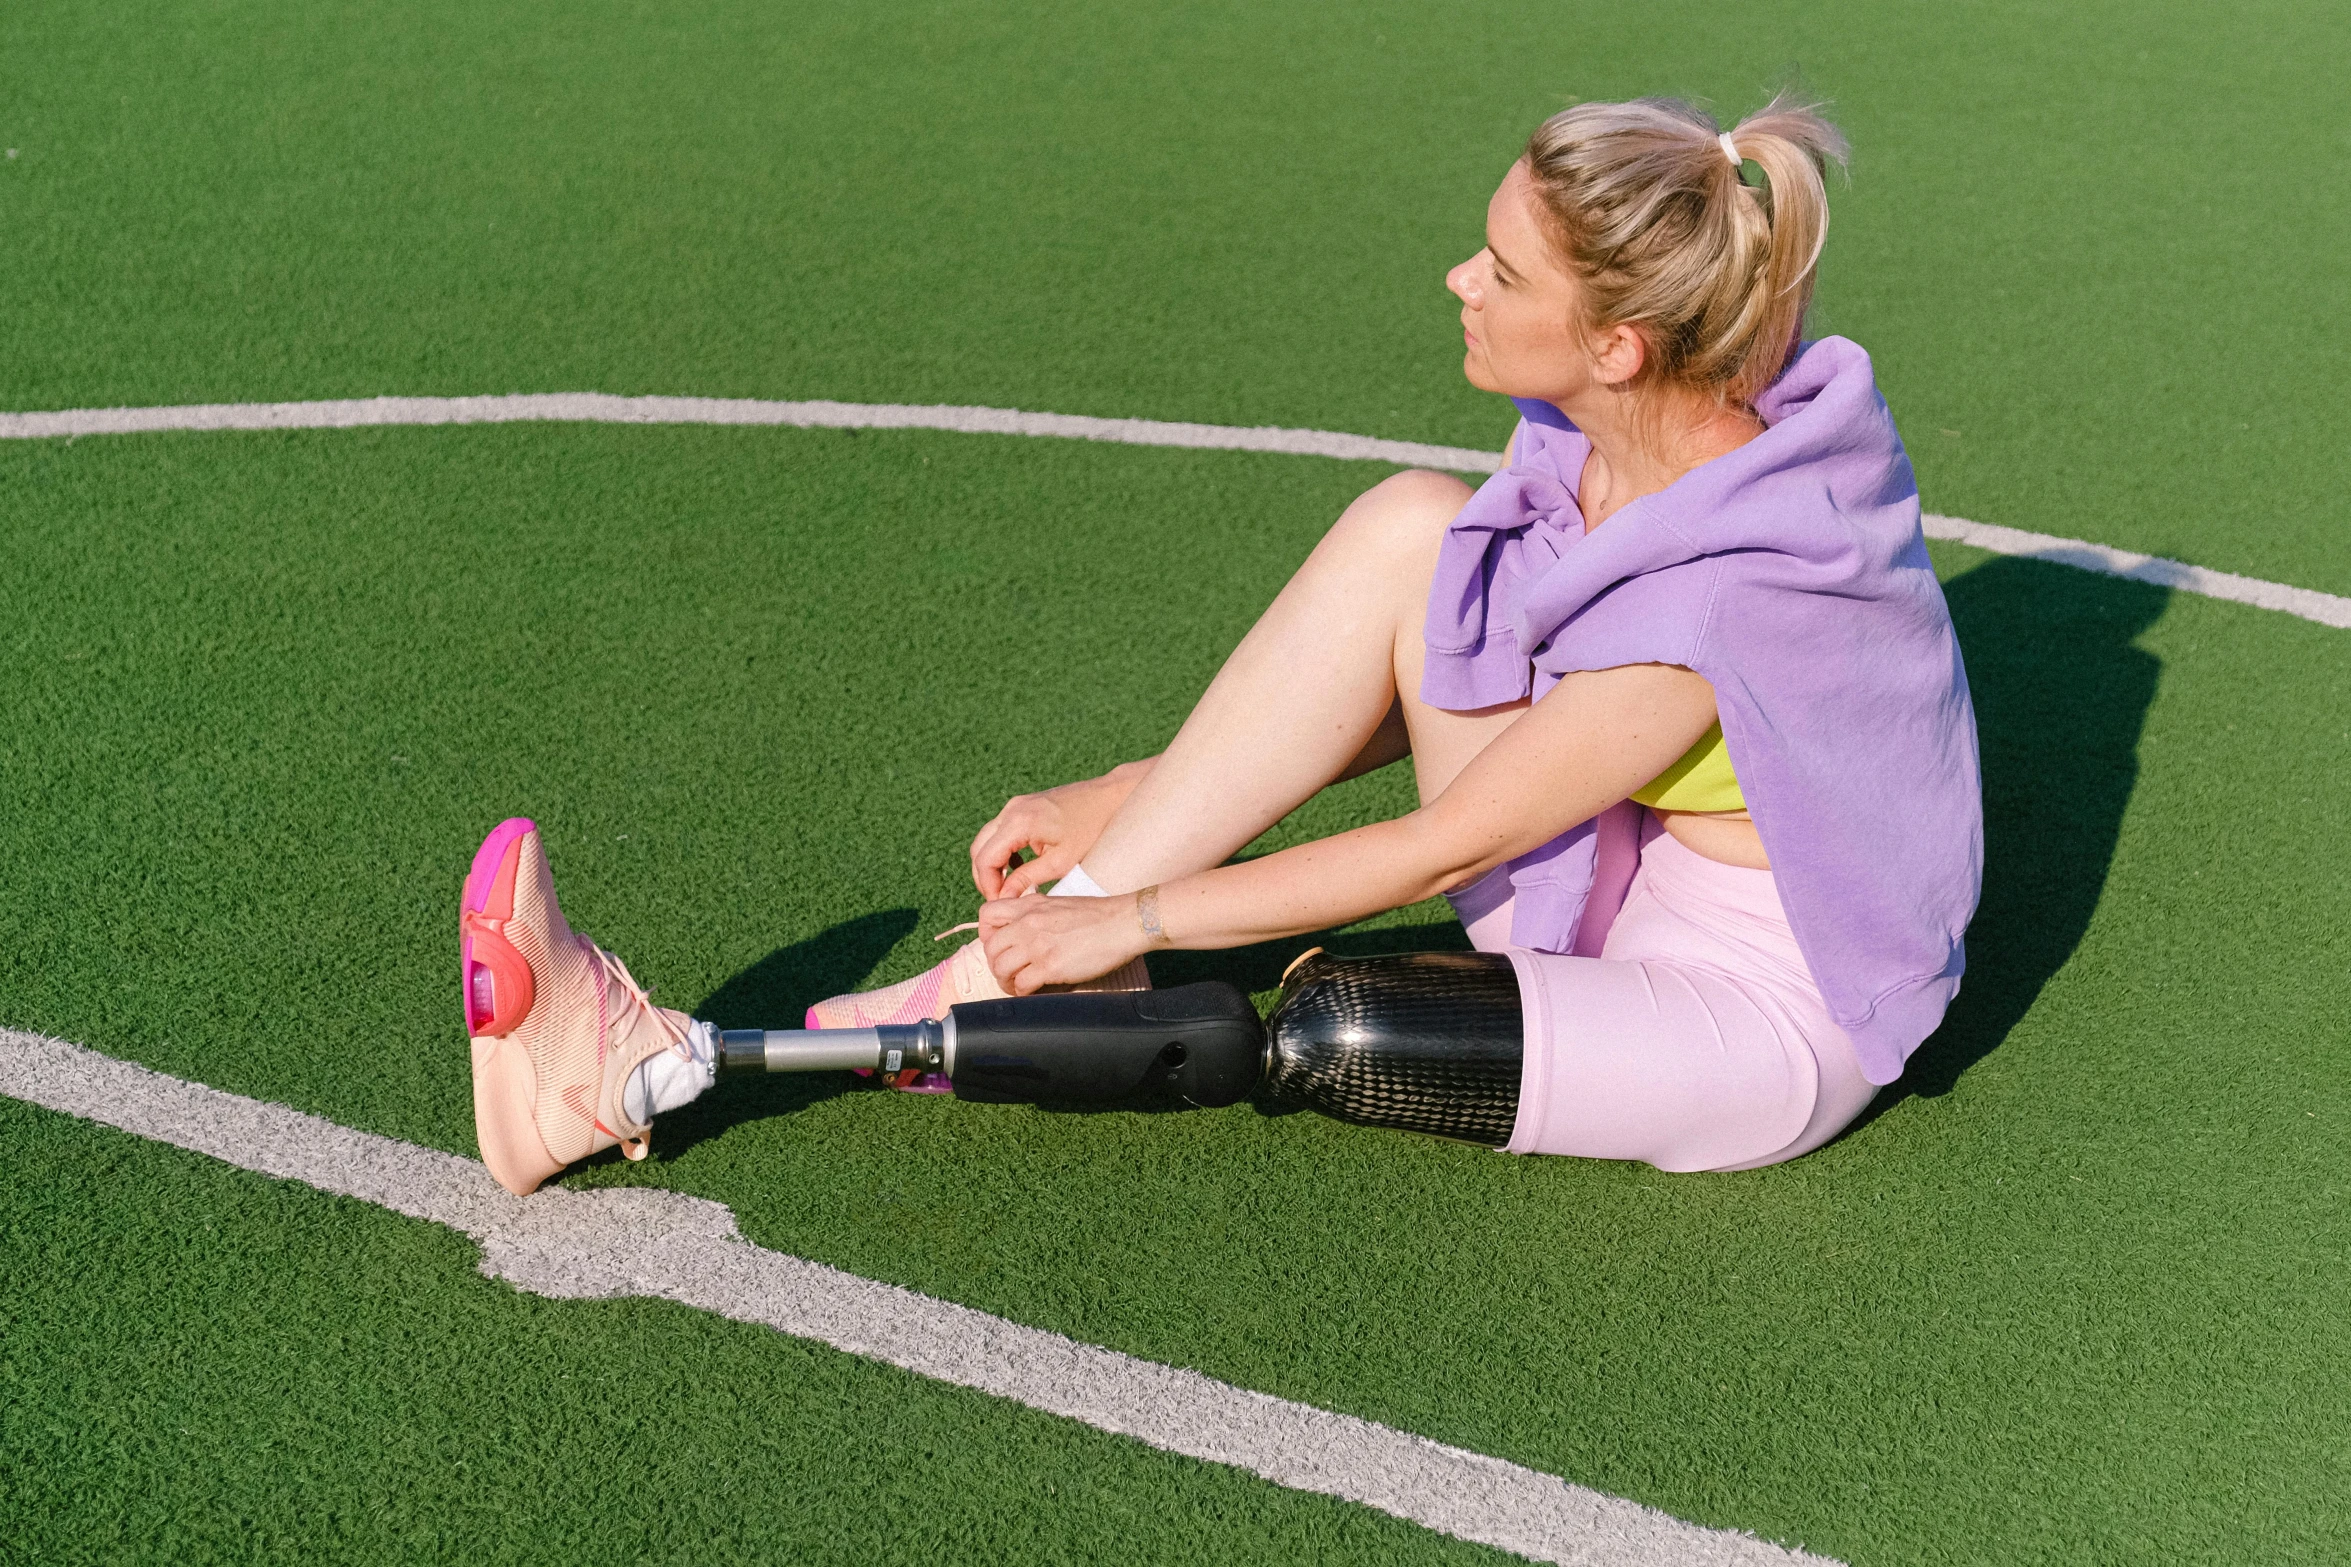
(1059, 824)
(1035, 942)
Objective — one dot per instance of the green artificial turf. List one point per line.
(2074, 1292)
(2095, 248)
(199, 1365)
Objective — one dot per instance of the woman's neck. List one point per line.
(1642, 444)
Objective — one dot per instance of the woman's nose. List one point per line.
(1464, 281)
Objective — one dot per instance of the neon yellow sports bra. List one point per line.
(1701, 781)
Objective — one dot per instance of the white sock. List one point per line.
(1077, 884)
(668, 1080)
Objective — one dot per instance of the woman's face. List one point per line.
(1519, 306)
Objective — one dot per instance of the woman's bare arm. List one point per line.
(1590, 742)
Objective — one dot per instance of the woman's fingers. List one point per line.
(989, 852)
(1022, 824)
(980, 839)
(1051, 864)
(992, 858)
(987, 874)
(1035, 940)
(1008, 952)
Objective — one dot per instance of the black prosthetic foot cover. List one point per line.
(1422, 1041)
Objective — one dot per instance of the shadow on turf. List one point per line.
(2061, 694)
(776, 992)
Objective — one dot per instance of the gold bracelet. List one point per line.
(1147, 915)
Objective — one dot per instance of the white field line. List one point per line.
(603, 408)
(2307, 603)
(575, 1245)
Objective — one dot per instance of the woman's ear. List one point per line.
(1618, 352)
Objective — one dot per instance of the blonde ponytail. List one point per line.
(1656, 220)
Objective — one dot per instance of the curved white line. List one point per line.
(2306, 603)
(584, 1245)
(603, 408)
(2326, 609)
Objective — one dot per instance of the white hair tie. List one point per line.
(1728, 150)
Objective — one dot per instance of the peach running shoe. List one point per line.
(962, 976)
(558, 1023)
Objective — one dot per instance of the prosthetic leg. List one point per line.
(1423, 1041)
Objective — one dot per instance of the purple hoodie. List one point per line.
(1791, 574)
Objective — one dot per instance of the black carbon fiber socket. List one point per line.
(1418, 1041)
(1202, 1042)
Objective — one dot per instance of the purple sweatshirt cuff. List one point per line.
(1491, 672)
(1901, 1019)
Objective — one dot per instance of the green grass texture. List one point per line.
(2072, 1292)
(206, 1366)
(2095, 249)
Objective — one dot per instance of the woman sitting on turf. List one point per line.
(1687, 715)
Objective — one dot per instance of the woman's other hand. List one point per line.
(1035, 942)
(1058, 825)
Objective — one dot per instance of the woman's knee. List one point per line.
(1401, 517)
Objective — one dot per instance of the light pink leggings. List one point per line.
(1695, 1039)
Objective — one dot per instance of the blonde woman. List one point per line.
(1691, 733)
